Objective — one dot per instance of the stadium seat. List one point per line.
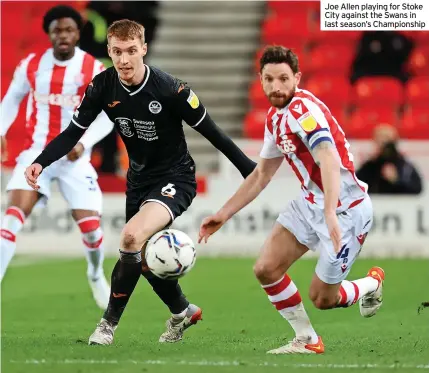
(417, 91)
(363, 121)
(288, 7)
(418, 62)
(254, 123)
(258, 100)
(331, 58)
(333, 90)
(378, 91)
(350, 37)
(415, 123)
(286, 31)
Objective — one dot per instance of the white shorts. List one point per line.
(310, 229)
(77, 181)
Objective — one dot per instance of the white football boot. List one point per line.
(100, 291)
(103, 334)
(369, 304)
(297, 346)
(177, 326)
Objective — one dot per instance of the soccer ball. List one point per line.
(170, 254)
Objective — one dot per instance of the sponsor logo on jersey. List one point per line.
(114, 103)
(57, 99)
(298, 108)
(124, 125)
(307, 122)
(193, 100)
(155, 107)
(286, 145)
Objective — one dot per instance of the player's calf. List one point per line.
(12, 223)
(92, 237)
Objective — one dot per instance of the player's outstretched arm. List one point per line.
(328, 160)
(223, 143)
(195, 115)
(60, 146)
(254, 184)
(9, 107)
(56, 149)
(98, 130)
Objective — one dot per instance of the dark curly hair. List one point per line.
(279, 54)
(61, 11)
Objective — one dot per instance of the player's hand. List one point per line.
(3, 148)
(211, 225)
(76, 152)
(334, 230)
(32, 173)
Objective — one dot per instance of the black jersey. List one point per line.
(148, 119)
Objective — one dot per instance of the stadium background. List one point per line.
(215, 48)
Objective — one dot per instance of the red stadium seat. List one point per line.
(287, 31)
(378, 91)
(288, 7)
(363, 121)
(418, 62)
(350, 37)
(258, 100)
(331, 58)
(417, 91)
(333, 90)
(415, 123)
(254, 124)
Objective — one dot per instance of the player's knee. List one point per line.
(132, 240)
(322, 302)
(264, 271)
(92, 234)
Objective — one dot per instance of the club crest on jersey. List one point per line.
(193, 100)
(124, 125)
(155, 107)
(307, 122)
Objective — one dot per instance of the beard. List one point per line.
(280, 100)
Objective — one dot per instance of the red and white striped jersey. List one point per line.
(294, 131)
(56, 88)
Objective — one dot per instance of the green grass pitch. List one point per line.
(48, 315)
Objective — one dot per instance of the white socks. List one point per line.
(12, 223)
(284, 295)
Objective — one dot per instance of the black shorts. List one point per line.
(174, 193)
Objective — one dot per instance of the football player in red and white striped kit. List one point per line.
(332, 215)
(55, 80)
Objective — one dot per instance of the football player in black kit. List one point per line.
(147, 106)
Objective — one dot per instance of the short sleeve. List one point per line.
(269, 149)
(189, 105)
(91, 104)
(309, 122)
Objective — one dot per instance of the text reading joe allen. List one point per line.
(380, 15)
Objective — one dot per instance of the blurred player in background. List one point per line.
(333, 214)
(56, 80)
(147, 106)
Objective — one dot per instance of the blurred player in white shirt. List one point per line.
(55, 80)
(333, 214)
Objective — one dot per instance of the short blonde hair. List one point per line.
(126, 29)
